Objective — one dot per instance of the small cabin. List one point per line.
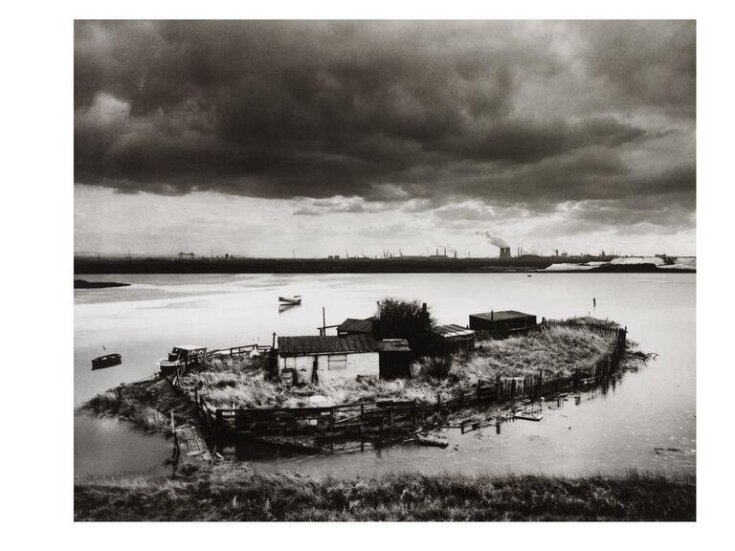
(395, 359)
(454, 339)
(502, 323)
(328, 358)
(184, 355)
(352, 326)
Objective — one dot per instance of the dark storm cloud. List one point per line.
(529, 114)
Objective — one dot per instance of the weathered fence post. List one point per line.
(540, 381)
(219, 422)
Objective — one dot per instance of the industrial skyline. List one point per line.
(258, 138)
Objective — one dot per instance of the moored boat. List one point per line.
(296, 299)
(107, 360)
(438, 440)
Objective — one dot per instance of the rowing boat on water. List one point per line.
(106, 361)
(296, 299)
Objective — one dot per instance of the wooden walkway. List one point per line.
(190, 445)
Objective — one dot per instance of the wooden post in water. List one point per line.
(498, 388)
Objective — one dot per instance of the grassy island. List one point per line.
(244, 382)
(234, 492)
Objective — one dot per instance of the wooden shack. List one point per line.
(395, 359)
(502, 323)
(328, 358)
(352, 326)
(454, 339)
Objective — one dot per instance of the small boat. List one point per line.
(432, 440)
(296, 299)
(106, 361)
(528, 416)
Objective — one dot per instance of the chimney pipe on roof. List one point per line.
(492, 315)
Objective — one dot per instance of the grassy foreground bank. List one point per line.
(228, 492)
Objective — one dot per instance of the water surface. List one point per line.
(647, 421)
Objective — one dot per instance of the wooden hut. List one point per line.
(395, 359)
(503, 323)
(454, 339)
(328, 358)
(352, 326)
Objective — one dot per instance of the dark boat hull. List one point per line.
(106, 361)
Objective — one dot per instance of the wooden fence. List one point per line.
(379, 418)
(238, 350)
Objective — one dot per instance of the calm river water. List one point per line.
(646, 422)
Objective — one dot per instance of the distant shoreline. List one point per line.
(82, 284)
(349, 265)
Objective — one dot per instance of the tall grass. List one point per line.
(242, 383)
(147, 405)
(234, 493)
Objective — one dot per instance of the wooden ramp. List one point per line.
(191, 445)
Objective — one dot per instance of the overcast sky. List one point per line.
(261, 138)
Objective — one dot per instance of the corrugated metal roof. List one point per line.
(502, 315)
(453, 330)
(394, 345)
(325, 345)
(351, 325)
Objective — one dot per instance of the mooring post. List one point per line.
(498, 388)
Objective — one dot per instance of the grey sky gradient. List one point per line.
(552, 134)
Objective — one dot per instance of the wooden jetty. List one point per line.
(190, 446)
